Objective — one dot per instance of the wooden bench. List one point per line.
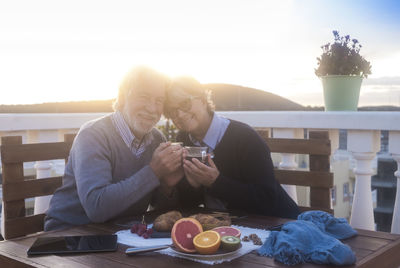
(17, 187)
(318, 178)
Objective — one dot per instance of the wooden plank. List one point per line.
(304, 178)
(9, 262)
(15, 250)
(383, 258)
(263, 132)
(375, 234)
(31, 188)
(299, 146)
(329, 210)
(25, 225)
(14, 209)
(69, 137)
(320, 197)
(34, 152)
(270, 262)
(319, 163)
(11, 173)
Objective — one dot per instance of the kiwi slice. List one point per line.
(230, 243)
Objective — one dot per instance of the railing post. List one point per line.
(288, 160)
(394, 149)
(363, 144)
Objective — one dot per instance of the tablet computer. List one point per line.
(73, 244)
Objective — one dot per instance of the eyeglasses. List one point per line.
(183, 106)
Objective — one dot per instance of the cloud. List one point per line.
(382, 81)
(371, 95)
(378, 98)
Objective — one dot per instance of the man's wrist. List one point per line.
(168, 191)
(151, 165)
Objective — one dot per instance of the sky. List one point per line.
(53, 51)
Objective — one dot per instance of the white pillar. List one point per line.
(43, 170)
(363, 144)
(2, 220)
(288, 160)
(394, 149)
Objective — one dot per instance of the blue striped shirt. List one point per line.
(136, 145)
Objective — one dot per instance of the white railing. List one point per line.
(363, 142)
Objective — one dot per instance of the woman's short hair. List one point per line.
(193, 88)
(136, 76)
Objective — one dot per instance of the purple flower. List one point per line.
(342, 58)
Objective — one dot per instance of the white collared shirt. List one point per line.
(214, 133)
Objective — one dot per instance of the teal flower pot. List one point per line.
(341, 92)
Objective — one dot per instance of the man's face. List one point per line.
(144, 106)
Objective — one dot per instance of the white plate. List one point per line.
(220, 254)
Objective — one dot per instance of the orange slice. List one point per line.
(207, 242)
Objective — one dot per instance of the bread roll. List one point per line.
(165, 222)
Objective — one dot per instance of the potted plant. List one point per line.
(342, 69)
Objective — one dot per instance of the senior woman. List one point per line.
(239, 171)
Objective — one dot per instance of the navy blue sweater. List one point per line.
(246, 181)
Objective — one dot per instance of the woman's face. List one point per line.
(189, 113)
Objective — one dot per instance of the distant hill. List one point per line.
(380, 108)
(225, 96)
(237, 98)
(97, 106)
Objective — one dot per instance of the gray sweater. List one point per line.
(103, 179)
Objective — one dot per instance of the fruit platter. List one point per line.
(188, 237)
(199, 236)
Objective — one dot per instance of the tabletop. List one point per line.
(372, 249)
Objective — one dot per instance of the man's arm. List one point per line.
(101, 198)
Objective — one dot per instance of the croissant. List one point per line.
(209, 222)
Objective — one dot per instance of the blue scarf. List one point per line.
(312, 238)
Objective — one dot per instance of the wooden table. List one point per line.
(373, 249)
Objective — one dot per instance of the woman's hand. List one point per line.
(198, 173)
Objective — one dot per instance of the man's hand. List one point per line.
(198, 173)
(166, 159)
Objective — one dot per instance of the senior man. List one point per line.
(119, 164)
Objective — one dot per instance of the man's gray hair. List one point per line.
(136, 76)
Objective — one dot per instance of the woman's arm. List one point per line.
(256, 190)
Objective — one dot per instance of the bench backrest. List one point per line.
(318, 177)
(17, 187)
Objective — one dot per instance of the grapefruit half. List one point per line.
(183, 232)
(227, 231)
